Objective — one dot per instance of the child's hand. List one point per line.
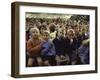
(62, 56)
(57, 58)
(85, 42)
(42, 42)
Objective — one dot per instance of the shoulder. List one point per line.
(29, 41)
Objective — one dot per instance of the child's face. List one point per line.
(60, 33)
(42, 30)
(46, 35)
(84, 30)
(76, 29)
(35, 33)
(70, 34)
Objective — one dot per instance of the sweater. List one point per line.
(60, 46)
(34, 47)
(48, 49)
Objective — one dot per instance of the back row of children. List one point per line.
(51, 46)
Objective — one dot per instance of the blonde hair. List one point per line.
(32, 29)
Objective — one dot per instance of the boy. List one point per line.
(59, 42)
(48, 50)
(52, 27)
(71, 46)
(84, 52)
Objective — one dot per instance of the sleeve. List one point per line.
(52, 49)
(45, 48)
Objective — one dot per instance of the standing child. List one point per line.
(84, 52)
(48, 50)
(34, 46)
(52, 27)
(59, 42)
(71, 45)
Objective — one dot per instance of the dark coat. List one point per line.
(60, 46)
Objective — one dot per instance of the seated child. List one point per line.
(48, 50)
(34, 46)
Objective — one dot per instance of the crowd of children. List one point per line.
(51, 42)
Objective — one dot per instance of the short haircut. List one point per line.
(70, 30)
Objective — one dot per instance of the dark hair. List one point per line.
(52, 27)
(43, 26)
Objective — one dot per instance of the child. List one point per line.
(59, 42)
(85, 32)
(34, 46)
(48, 50)
(52, 27)
(78, 36)
(71, 46)
(84, 52)
(42, 28)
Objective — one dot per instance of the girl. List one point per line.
(34, 46)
